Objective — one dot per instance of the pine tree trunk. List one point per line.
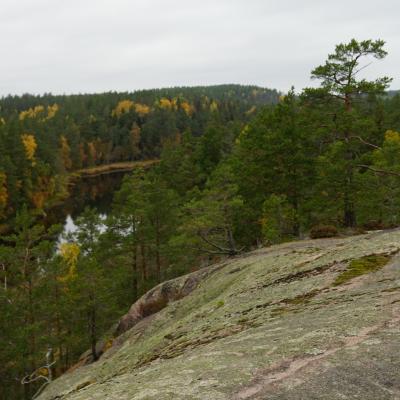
(144, 265)
(349, 212)
(92, 328)
(231, 243)
(58, 329)
(135, 284)
(349, 207)
(31, 319)
(296, 222)
(158, 259)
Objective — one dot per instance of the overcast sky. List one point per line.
(75, 46)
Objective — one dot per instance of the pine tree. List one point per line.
(341, 96)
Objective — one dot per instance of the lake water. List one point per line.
(96, 192)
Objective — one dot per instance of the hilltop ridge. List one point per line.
(309, 319)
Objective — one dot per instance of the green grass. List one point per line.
(361, 266)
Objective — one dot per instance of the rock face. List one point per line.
(317, 319)
(160, 296)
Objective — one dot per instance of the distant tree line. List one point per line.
(43, 138)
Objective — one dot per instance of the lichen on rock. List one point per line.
(272, 324)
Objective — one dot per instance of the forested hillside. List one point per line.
(239, 167)
(42, 138)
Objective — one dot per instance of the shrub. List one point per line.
(323, 231)
(374, 225)
(378, 225)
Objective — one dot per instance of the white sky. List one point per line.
(75, 46)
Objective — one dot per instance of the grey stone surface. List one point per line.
(267, 325)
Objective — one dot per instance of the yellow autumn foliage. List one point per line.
(44, 189)
(92, 152)
(30, 145)
(31, 113)
(52, 110)
(65, 153)
(168, 104)
(187, 108)
(122, 107)
(243, 134)
(142, 109)
(69, 252)
(38, 199)
(392, 137)
(43, 372)
(3, 191)
(125, 106)
(36, 111)
(213, 106)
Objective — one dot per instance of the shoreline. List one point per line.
(122, 166)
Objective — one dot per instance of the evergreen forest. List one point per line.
(232, 168)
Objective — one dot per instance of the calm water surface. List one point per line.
(96, 192)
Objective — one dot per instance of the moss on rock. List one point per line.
(270, 324)
(361, 266)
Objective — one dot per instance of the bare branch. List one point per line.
(38, 374)
(379, 171)
(207, 251)
(224, 250)
(365, 142)
(219, 250)
(360, 69)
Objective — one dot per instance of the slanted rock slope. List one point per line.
(315, 319)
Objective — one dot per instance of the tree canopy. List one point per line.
(239, 167)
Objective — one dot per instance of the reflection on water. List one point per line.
(96, 192)
(70, 227)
